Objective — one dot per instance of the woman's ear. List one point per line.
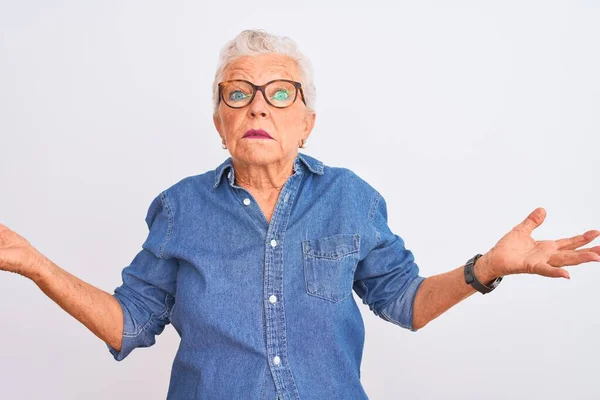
(217, 122)
(309, 123)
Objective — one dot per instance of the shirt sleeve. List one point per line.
(148, 290)
(387, 278)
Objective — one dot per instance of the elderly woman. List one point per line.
(254, 262)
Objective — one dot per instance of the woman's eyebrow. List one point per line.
(239, 73)
(234, 72)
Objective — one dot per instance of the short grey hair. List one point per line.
(255, 42)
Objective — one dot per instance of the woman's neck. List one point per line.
(263, 178)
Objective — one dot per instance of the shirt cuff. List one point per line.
(400, 310)
(129, 341)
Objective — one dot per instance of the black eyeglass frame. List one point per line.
(256, 88)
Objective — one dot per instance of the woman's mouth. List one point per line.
(257, 134)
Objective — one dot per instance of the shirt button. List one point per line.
(246, 201)
(229, 175)
(276, 360)
(273, 299)
(273, 242)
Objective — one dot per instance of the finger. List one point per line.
(572, 257)
(533, 220)
(577, 241)
(595, 249)
(550, 271)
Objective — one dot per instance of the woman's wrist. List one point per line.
(41, 270)
(483, 269)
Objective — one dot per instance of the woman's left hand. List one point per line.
(518, 253)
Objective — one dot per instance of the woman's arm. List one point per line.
(99, 311)
(438, 293)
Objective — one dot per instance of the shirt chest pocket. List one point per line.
(329, 265)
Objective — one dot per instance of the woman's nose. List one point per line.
(259, 106)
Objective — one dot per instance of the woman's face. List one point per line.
(286, 126)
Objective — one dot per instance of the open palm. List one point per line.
(517, 252)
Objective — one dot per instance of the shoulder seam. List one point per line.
(374, 204)
(165, 203)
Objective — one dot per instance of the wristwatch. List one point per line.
(471, 279)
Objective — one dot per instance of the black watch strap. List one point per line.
(472, 280)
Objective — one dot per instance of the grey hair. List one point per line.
(255, 42)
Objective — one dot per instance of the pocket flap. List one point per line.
(333, 246)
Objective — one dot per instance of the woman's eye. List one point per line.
(281, 95)
(237, 95)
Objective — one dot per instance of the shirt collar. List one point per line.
(302, 160)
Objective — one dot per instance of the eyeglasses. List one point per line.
(279, 93)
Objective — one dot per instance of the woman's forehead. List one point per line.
(260, 69)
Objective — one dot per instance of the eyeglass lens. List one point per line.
(239, 93)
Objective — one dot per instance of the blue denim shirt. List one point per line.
(265, 310)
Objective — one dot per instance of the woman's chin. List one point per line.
(259, 155)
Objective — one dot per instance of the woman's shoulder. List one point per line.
(191, 185)
(349, 178)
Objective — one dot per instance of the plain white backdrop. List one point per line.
(466, 116)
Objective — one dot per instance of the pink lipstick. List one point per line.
(257, 134)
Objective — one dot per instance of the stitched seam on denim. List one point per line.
(294, 189)
(125, 332)
(371, 215)
(172, 307)
(332, 254)
(332, 299)
(366, 288)
(355, 267)
(271, 337)
(396, 297)
(165, 203)
(398, 294)
(146, 325)
(305, 273)
(257, 224)
(374, 205)
(264, 322)
(393, 320)
(167, 309)
(263, 381)
(412, 303)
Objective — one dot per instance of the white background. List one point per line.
(466, 116)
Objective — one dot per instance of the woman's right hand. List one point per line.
(18, 255)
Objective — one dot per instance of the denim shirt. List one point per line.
(265, 309)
